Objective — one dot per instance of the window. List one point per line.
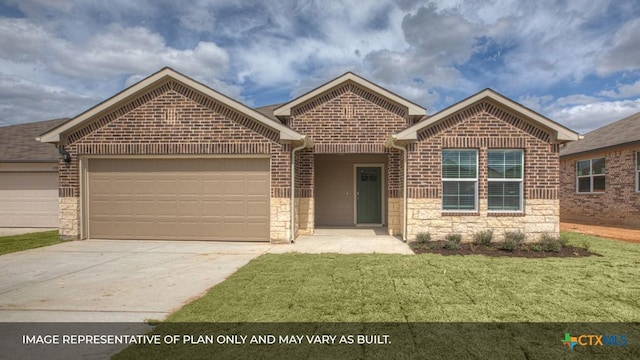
(459, 180)
(638, 171)
(590, 176)
(505, 180)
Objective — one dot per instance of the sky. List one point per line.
(576, 62)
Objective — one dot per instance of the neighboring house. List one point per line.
(28, 176)
(600, 175)
(169, 158)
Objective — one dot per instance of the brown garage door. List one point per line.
(29, 199)
(179, 199)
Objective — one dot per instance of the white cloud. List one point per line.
(26, 101)
(441, 38)
(118, 50)
(429, 59)
(587, 117)
(548, 44)
(536, 103)
(198, 18)
(580, 112)
(625, 53)
(576, 99)
(38, 59)
(623, 91)
(324, 41)
(431, 54)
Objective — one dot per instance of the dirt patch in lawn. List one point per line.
(603, 230)
(523, 250)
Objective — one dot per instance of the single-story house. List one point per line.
(28, 177)
(600, 175)
(170, 158)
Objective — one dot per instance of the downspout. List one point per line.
(393, 144)
(293, 187)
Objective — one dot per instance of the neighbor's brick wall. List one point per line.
(618, 205)
(174, 120)
(482, 126)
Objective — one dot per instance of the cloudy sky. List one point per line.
(577, 62)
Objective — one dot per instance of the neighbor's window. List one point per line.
(459, 180)
(505, 180)
(590, 176)
(638, 171)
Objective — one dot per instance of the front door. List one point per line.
(369, 195)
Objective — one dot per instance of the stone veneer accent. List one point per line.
(305, 216)
(619, 204)
(394, 216)
(69, 215)
(280, 220)
(425, 215)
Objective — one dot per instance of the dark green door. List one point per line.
(369, 195)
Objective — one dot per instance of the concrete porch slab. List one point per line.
(343, 240)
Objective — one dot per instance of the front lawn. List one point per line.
(9, 244)
(535, 302)
(428, 287)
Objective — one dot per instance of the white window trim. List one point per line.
(520, 180)
(578, 177)
(474, 180)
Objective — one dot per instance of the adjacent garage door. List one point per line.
(29, 199)
(179, 199)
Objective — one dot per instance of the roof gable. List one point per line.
(159, 78)
(624, 131)
(560, 134)
(413, 110)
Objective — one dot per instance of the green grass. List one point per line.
(9, 244)
(424, 288)
(429, 287)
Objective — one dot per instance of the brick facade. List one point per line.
(619, 204)
(172, 119)
(169, 118)
(346, 120)
(482, 126)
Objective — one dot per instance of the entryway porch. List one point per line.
(347, 240)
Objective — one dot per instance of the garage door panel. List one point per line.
(210, 209)
(234, 186)
(29, 199)
(234, 209)
(199, 199)
(188, 208)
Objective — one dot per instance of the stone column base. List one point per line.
(69, 216)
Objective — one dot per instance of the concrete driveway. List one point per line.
(132, 281)
(112, 280)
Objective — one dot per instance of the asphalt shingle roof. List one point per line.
(268, 111)
(621, 132)
(18, 142)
